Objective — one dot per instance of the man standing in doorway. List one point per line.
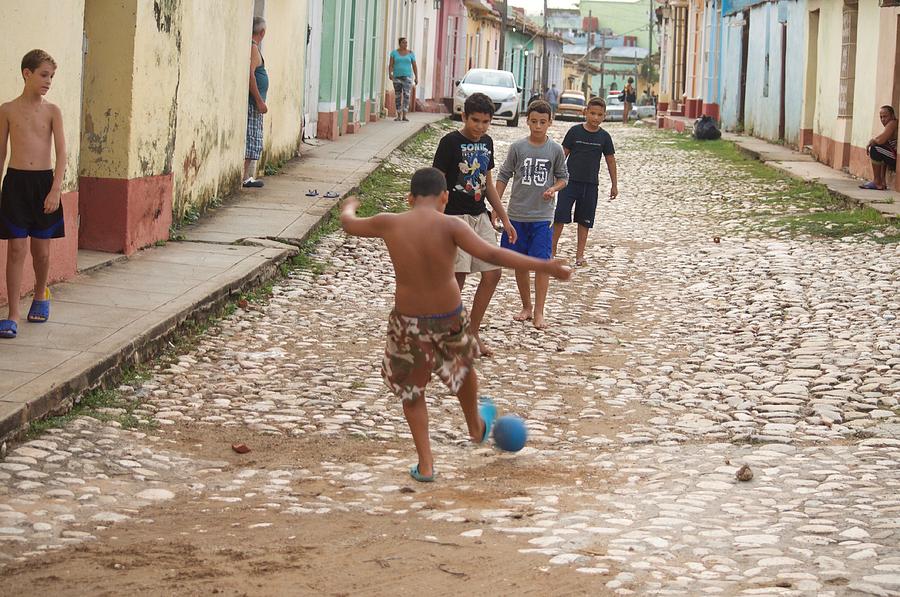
(256, 107)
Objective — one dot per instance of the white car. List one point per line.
(499, 85)
(615, 108)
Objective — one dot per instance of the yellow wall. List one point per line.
(108, 72)
(213, 75)
(155, 87)
(875, 58)
(284, 48)
(61, 40)
(829, 69)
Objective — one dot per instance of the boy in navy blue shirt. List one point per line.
(584, 145)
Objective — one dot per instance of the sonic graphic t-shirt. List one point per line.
(466, 164)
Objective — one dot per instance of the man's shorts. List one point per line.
(22, 206)
(581, 195)
(254, 133)
(465, 263)
(416, 346)
(534, 239)
(884, 154)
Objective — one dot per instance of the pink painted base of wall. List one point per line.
(122, 216)
(389, 99)
(806, 137)
(63, 252)
(831, 152)
(327, 127)
(667, 121)
(711, 110)
(345, 114)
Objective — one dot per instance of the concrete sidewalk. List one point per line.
(803, 166)
(121, 310)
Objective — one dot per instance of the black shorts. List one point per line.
(884, 154)
(22, 206)
(583, 197)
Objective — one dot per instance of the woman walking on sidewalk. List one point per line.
(404, 73)
(882, 150)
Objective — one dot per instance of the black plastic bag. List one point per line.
(705, 129)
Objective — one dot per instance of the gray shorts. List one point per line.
(465, 263)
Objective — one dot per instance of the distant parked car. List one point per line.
(615, 107)
(499, 85)
(571, 106)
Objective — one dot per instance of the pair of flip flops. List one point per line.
(328, 195)
(38, 313)
(488, 412)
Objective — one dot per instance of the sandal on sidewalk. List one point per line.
(488, 413)
(331, 195)
(8, 329)
(871, 186)
(40, 310)
(415, 474)
(312, 193)
(581, 263)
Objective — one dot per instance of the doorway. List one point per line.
(783, 78)
(745, 50)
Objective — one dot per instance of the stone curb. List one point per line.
(59, 399)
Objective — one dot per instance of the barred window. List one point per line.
(848, 59)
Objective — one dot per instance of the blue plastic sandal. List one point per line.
(488, 413)
(415, 474)
(8, 328)
(40, 310)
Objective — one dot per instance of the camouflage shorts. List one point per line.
(416, 346)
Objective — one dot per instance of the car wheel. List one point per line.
(456, 117)
(514, 121)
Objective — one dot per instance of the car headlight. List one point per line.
(509, 99)
(460, 93)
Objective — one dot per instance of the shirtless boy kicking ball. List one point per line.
(31, 192)
(428, 330)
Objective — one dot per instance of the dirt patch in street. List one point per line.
(190, 550)
(194, 545)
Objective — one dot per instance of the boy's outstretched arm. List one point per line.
(613, 176)
(466, 239)
(356, 226)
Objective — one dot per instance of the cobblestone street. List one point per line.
(671, 361)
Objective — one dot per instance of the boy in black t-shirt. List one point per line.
(584, 145)
(466, 157)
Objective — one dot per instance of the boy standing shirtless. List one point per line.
(428, 330)
(31, 193)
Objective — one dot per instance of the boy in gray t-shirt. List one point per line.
(537, 167)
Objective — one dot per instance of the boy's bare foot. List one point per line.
(483, 349)
(524, 315)
(539, 322)
(581, 262)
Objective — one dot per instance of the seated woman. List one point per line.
(882, 149)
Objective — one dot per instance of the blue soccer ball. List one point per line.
(510, 433)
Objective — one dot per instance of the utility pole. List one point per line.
(602, 62)
(500, 59)
(545, 62)
(585, 87)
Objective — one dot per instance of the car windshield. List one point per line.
(572, 100)
(489, 79)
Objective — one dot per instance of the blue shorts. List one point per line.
(581, 195)
(534, 239)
